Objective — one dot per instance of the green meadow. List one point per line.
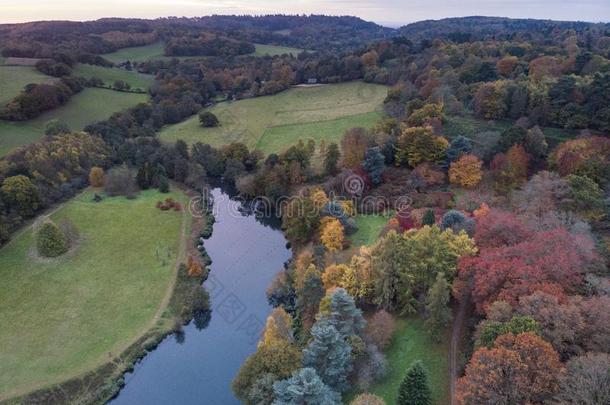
(110, 75)
(273, 123)
(64, 316)
(84, 108)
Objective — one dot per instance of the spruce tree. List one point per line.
(304, 388)
(344, 315)
(331, 158)
(329, 354)
(414, 388)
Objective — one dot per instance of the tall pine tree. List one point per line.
(414, 388)
(437, 308)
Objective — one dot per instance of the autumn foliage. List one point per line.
(519, 369)
(466, 171)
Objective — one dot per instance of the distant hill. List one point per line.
(463, 29)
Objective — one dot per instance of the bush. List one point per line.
(208, 119)
(56, 127)
(50, 240)
(380, 329)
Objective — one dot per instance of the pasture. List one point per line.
(14, 78)
(62, 317)
(273, 123)
(86, 107)
(157, 51)
(110, 75)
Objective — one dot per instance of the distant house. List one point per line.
(312, 80)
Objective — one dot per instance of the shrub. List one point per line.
(367, 399)
(50, 240)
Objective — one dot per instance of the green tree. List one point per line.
(414, 388)
(56, 127)
(331, 159)
(329, 354)
(488, 331)
(300, 220)
(437, 307)
(304, 388)
(51, 241)
(428, 218)
(208, 119)
(586, 197)
(21, 194)
(374, 163)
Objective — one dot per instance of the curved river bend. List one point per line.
(198, 366)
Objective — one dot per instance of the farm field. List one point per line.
(273, 123)
(62, 317)
(110, 75)
(86, 107)
(14, 78)
(411, 342)
(156, 51)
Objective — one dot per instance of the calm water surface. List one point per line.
(198, 366)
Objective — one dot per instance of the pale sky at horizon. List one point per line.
(387, 12)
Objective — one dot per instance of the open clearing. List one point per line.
(84, 108)
(469, 125)
(62, 317)
(369, 227)
(157, 51)
(14, 78)
(273, 123)
(110, 75)
(410, 343)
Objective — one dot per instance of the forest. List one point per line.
(470, 216)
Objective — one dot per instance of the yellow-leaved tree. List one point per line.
(466, 171)
(332, 234)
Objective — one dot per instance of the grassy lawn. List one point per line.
(86, 107)
(14, 78)
(110, 75)
(62, 317)
(157, 51)
(411, 342)
(369, 227)
(272, 50)
(469, 125)
(274, 122)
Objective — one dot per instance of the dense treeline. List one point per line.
(206, 45)
(38, 98)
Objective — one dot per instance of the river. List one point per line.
(197, 366)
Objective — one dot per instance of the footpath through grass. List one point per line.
(273, 123)
(84, 108)
(411, 342)
(62, 317)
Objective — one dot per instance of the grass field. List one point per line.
(410, 343)
(272, 50)
(468, 125)
(86, 107)
(110, 75)
(273, 123)
(64, 316)
(157, 51)
(369, 227)
(14, 78)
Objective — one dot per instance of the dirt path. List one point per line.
(456, 334)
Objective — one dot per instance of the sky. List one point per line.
(385, 12)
